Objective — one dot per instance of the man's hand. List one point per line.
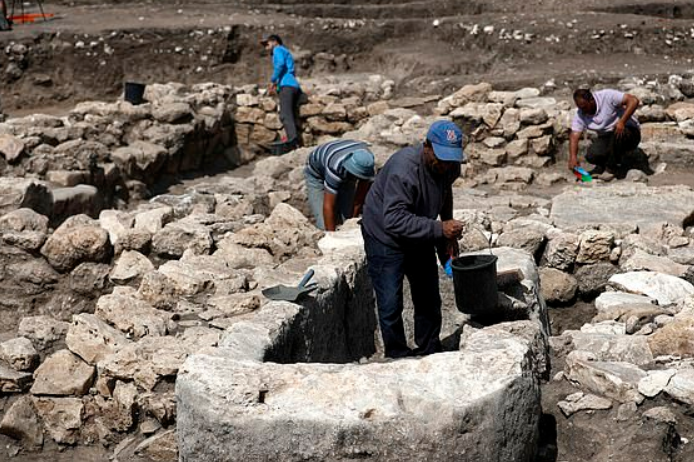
(272, 89)
(452, 229)
(619, 129)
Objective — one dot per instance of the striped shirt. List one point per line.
(327, 160)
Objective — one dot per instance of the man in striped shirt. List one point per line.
(338, 176)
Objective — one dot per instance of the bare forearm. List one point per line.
(574, 138)
(631, 103)
(329, 211)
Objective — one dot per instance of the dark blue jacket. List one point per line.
(406, 198)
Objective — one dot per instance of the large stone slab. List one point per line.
(664, 288)
(17, 193)
(480, 404)
(612, 379)
(633, 204)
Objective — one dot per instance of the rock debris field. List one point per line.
(135, 242)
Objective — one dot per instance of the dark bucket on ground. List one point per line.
(134, 92)
(474, 282)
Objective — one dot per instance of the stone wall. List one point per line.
(333, 107)
(103, 154)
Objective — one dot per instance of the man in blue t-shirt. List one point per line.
(284, 83)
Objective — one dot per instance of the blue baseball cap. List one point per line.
(447, 140)
(361, 164)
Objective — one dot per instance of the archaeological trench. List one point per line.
(135, 242)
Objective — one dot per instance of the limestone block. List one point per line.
(17, 193)
(43, 331)
(145, 362)
(311, 109)
(62, 374)
(62, 417)
(561, 251)
(176, 238)
(335, 112)
(681, 386)
(609, 300)
(615, 380)
(642, 261)
(533, 116)
(249, 115)
(171, 113)
(676, 338)
(272, 121)
(12, 381)
(131, 265)
(93, 339)
(516, 149)
(680, 112)
(321, 125)
(24, 228)
(655, 382)
(22, 423)
(536, 103)
(132, 315)
(510, 123)
(11, 147)
(74, 200)
(262, 135)
(19, 353)
(581, 402)
(373, 403)
(542, 146)
(245, 99)
(594, 246)
(632, 349)
(664, 288)
(557, 286)
(633, 204)
(78, 239)
(140, 158)
(238, 256)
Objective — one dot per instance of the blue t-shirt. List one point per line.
(283, 68)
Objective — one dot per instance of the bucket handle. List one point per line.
(488, 239)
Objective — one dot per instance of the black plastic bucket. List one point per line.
(474, 282)
(134, 92)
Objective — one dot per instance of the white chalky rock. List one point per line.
(664, 288)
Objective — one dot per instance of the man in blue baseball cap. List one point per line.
(338, 176)
(408, 217)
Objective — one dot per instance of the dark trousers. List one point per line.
(289, 111)
(608, 151)
(387, 268)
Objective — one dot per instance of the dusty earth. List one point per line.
(90, 48)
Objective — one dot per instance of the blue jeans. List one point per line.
(315, 190)
(387, 268)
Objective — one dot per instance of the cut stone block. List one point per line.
(390, 411)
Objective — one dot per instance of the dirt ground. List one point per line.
(89, 48)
